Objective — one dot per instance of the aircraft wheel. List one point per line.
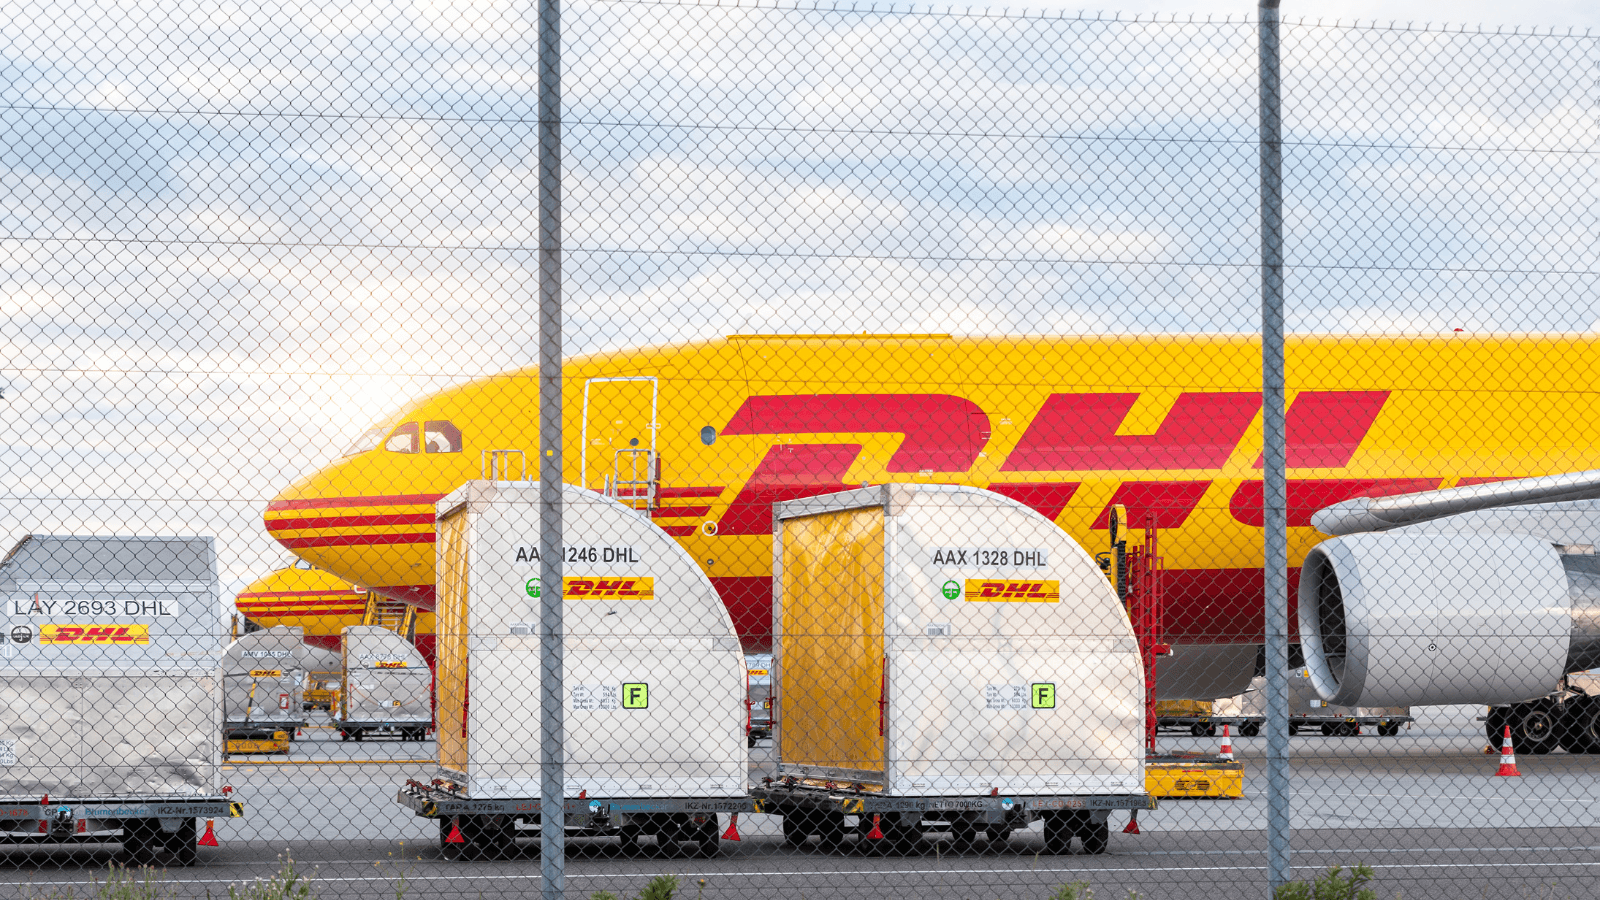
(1579, 727)
(1533, 727)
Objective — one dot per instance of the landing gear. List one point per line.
(1533, 726)
(1578, 727)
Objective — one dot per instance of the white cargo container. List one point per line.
(263, 675)
(653, 676)
(388, 687)
(948, 658)
(111, 692)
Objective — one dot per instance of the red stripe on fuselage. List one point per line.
(367, 521)
(1306, 496)
(1078, 433)
(340, 593)
(334, 502)
(356, 540)
(676, 493)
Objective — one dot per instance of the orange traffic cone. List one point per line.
(454, 837)
(209, 839)
(1227, 746)
(876, 833)
(732, 834)
(1508, 759)
(1133, 823)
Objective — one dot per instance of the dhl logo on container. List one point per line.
(609, 588)
(1005, 590)
(266, 673)
(390, 664)
(94, 634)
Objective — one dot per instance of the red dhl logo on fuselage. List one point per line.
(609, 588)
(94, 634)
(1004, 590)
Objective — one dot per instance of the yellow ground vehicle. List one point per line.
(322, 690)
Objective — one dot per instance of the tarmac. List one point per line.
(1423, 809)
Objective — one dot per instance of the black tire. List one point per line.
(1349, 729)
(708, 839)
(1388, 729)
(1534, 727)
(1211, 731)
(141, 840)
(1327, 731)
(1197, 730)
(357, 735)
(1293, 729)
(1095, 837)
(905, 832)
(183, 843)
(1058, 828)
(1252, 729)
(796, 828)
(830, 830)
(998, 839)
(964, 835)
(750, 740)
(1579, 727)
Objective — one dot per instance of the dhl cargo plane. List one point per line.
(1167, 425)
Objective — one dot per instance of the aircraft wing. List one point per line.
(1535, 495)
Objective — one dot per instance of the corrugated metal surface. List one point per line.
(386, 680)
(1043, 693)
(654, 675)
(831, 641)
(450, 650)
(124, 699)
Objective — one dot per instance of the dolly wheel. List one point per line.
(182, 843)
(1057, 834)
(709, 839)
(1095, 836)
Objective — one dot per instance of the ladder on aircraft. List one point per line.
(394, 615)
(642, 488)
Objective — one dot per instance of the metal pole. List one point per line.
(1275, 507)
(552, 731)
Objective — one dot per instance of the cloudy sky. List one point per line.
(235, 234)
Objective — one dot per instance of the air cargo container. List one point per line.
(947, 658)
(263, 674)
(112, 703)
(1308, 712)
(388, 687)
(758, 667)
(653, 677)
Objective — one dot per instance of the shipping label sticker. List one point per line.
(1043, 694)
(636, 696)
(94, 634)
(609, 588)
(8, 752)
(1005, 696)
(1009, 590)
(592, 697)
(266, 673)
(989, 558)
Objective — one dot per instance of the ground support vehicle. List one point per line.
(1189, 775)
(1208, 726)
(939, 655)
(653, 676)
(1309, 713)
(111, 704)
(145, 826)
(388, 687)
(831, 812)
(322, 691)
(488, 829)
(263, 674)
(758, 668)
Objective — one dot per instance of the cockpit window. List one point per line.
(403, 439)
(439, 436)
(369, 440)
(303, 565)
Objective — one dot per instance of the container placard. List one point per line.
(989, 558)
(94, 634)
(1011, 590)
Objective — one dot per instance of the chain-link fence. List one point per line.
(912, 436)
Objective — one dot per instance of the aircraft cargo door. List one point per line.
(619, 436)
(831, 664)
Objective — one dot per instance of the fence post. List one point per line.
(552, 731)
(1274, 496)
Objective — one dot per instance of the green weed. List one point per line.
(1331, 885)
(287, 884)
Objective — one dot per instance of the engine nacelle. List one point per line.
(1418, 619)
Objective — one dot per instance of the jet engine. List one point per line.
(1406, 618)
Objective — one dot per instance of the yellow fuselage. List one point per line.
(1167, 425)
